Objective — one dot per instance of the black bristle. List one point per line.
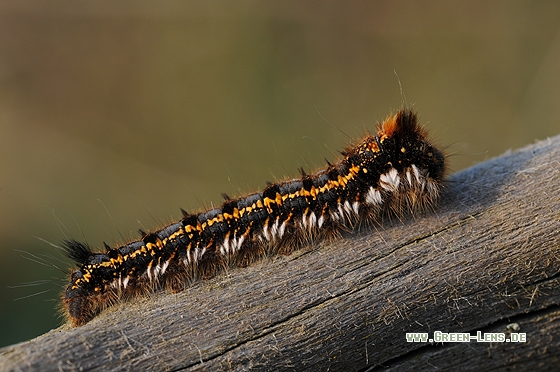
(77, 251)
(302, 172)
(226, 197)
(107, 247)
(184, 212)
(150, 238)
(142, 233)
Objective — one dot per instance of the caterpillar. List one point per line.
(397, 171)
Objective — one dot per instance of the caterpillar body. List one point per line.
(394, 172)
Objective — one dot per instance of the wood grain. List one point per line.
(488, 257)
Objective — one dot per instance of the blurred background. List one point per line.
(113, 115)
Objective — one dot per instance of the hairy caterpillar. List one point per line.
(396, 171)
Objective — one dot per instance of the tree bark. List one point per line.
(486, 259)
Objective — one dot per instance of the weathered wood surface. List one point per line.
(489, 257)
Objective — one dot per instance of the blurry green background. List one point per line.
(115, 114)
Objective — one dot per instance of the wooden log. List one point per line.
(488, 260)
